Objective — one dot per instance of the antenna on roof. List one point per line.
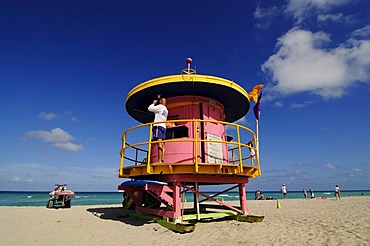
(189, 61)
(188, 72)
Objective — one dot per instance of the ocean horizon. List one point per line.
(40, 198)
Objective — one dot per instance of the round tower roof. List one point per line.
(231, 95)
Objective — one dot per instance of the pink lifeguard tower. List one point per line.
(203, 147)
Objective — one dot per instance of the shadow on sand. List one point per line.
(118, 214)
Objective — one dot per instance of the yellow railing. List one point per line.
(239, 152)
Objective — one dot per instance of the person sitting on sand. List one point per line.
(259, 196)
(262, 196)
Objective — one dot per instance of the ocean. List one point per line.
(40, 198)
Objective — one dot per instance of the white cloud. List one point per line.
(265, 16)
(47, 116)
(339, 18)
(302, 64)
(331, 166)
(356, 53)
(279, 104)
(15, 179)
(300, 105)
(302, 9)
(241, 121)
(69, 146)
(297, 9)
(356, 169)
(334, 18)
(67, 112)
(297, 105)
(58, 137)
(44, 176)
(27, 166)
(363, 33)
(51, 116)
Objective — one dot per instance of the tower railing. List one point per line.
(241, 153)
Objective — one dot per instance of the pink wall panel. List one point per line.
(188, 107)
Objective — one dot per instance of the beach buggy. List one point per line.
(60, 197)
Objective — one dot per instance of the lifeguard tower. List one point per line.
(203, 147)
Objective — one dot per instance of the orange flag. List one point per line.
(253, 95)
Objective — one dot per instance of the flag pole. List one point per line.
(257, 140)
(257, 112)
(256, 96)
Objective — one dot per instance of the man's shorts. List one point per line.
(159, 133)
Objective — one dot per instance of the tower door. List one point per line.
(214, 152)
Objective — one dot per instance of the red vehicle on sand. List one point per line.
(60, 197)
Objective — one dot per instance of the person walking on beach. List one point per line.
(312, 194)
(284, 190)
(337, 192)
(158, 107)
(304, 193)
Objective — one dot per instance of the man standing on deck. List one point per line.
(159, 130)
(284, 190)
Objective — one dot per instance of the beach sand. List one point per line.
(298, 221)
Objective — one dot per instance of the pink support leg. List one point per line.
(243, 198)
(177, 199)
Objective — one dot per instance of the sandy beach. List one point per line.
(307, 222)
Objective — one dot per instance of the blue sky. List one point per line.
(67, 66)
